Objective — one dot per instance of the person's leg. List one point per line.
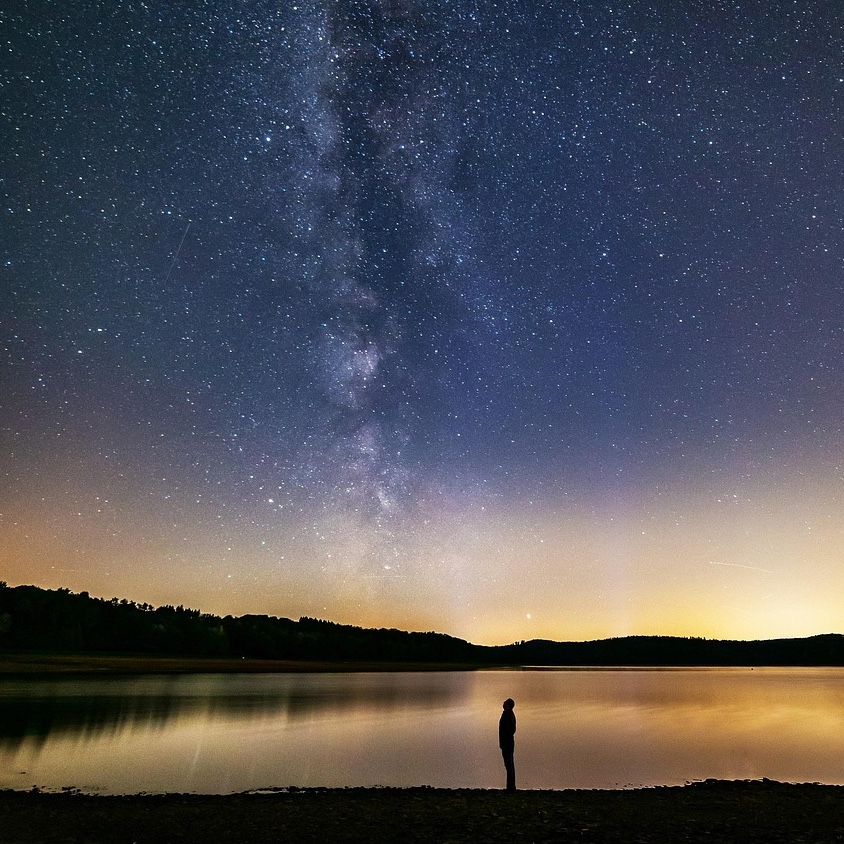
(510, 767)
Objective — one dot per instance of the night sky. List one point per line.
(505, 319)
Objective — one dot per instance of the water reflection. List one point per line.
(55, 706)
(590, 729)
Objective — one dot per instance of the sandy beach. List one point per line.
(714, 811)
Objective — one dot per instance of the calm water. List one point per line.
(578, 728)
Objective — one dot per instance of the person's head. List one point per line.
(509, 703)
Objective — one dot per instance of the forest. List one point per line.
(35, 620)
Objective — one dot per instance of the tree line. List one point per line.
(60, 621)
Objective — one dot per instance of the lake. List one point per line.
(578, 728)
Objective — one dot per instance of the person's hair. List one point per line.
(509, 703)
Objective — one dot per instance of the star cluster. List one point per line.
(501, 318)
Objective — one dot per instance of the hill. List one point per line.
(60, 621)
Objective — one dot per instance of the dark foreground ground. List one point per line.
(758, 811)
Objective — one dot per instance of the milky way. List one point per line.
(504, 318)
(375, 136)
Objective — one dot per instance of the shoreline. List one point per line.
(32, 665)
(711, 811)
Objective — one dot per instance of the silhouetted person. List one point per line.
(507, 741)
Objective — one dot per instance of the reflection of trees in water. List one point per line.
(37, 718)
(50, 709)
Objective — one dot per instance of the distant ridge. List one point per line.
(60, 621)
(826, 649)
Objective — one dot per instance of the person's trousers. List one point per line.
(510, 767)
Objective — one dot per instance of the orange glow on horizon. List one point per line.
(763, 561)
